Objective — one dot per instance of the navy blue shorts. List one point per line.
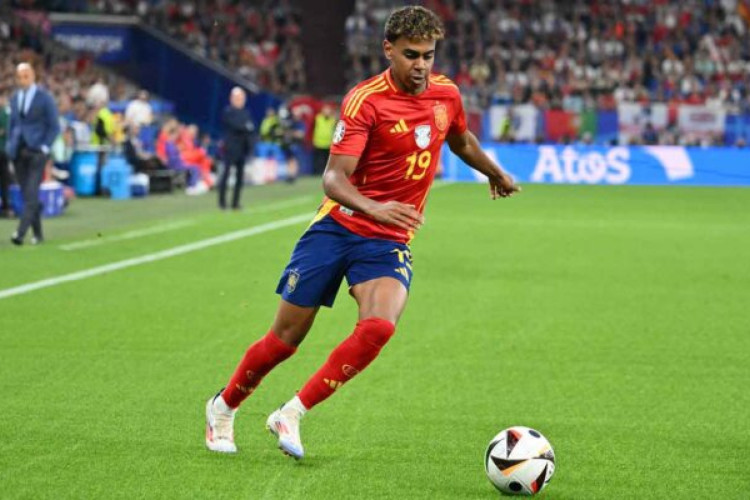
(328, 252)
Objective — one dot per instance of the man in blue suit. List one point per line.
(32, 129)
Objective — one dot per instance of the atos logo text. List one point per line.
(582, 167)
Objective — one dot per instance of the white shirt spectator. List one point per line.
(139, 112)
(99, 92)
(82, 133)
(672, 66)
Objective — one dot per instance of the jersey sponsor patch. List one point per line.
(338, 133)
(422, 136)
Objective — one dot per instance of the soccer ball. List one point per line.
(519, 461)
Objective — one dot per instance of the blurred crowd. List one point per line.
(84, 94)
(555, 54)
(69, 77)
(579, 54)
(259, 40)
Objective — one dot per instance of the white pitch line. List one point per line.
(164, 254)
(138, 233)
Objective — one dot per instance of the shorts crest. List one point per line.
(292, 280)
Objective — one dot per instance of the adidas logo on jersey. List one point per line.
(400, 127)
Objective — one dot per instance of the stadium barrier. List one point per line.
(638, 165)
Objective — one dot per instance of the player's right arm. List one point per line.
(338, 187)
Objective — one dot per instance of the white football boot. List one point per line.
(284, 424)
(220, 425)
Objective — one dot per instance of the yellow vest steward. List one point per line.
(109, 125)
(323, 132)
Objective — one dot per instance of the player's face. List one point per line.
(238, 99)
(411, 62)
(25, 77)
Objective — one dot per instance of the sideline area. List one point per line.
(87, 218)
(98, 232)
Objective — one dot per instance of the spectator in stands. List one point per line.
(506, 127)
(136, 155)
(102, 137)
(62, 151)
(586, 139)
(650, 136)
(325, 122)
(161, 140)
(238, 143)
(561, 53)
(209, 145)
(33, 127)
(98, 93)
(174, 162)
(289, 133)
(138, 111)
(103, 125)
(5, 176)
(192, 154)
(80, 123)
(269, 54)
(268, 125)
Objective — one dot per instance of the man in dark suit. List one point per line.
(32, 129)
(238, 142)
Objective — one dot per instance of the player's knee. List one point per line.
(290, 334)
(376, 331)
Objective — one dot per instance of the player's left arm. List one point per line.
(466, 146)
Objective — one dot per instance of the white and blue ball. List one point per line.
(519, 461)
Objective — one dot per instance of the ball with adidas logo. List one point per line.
(519, 461)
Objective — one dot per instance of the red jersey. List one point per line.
(398, 138)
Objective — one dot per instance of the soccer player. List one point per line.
(383, 158)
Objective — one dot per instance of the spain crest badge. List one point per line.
(292, 280)
(441, 117)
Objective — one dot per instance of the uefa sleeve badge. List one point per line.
(338, 133)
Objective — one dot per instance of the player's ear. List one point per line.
(388, 49)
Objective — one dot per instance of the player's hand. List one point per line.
(502, 186)
(398, 214)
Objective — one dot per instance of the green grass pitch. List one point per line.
(613, 319)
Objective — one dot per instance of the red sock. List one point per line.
(259, 359)
(348, 359)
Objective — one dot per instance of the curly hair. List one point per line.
(415, 23)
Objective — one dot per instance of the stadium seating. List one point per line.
(563, 54)
(260, 42)
(562, 58)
